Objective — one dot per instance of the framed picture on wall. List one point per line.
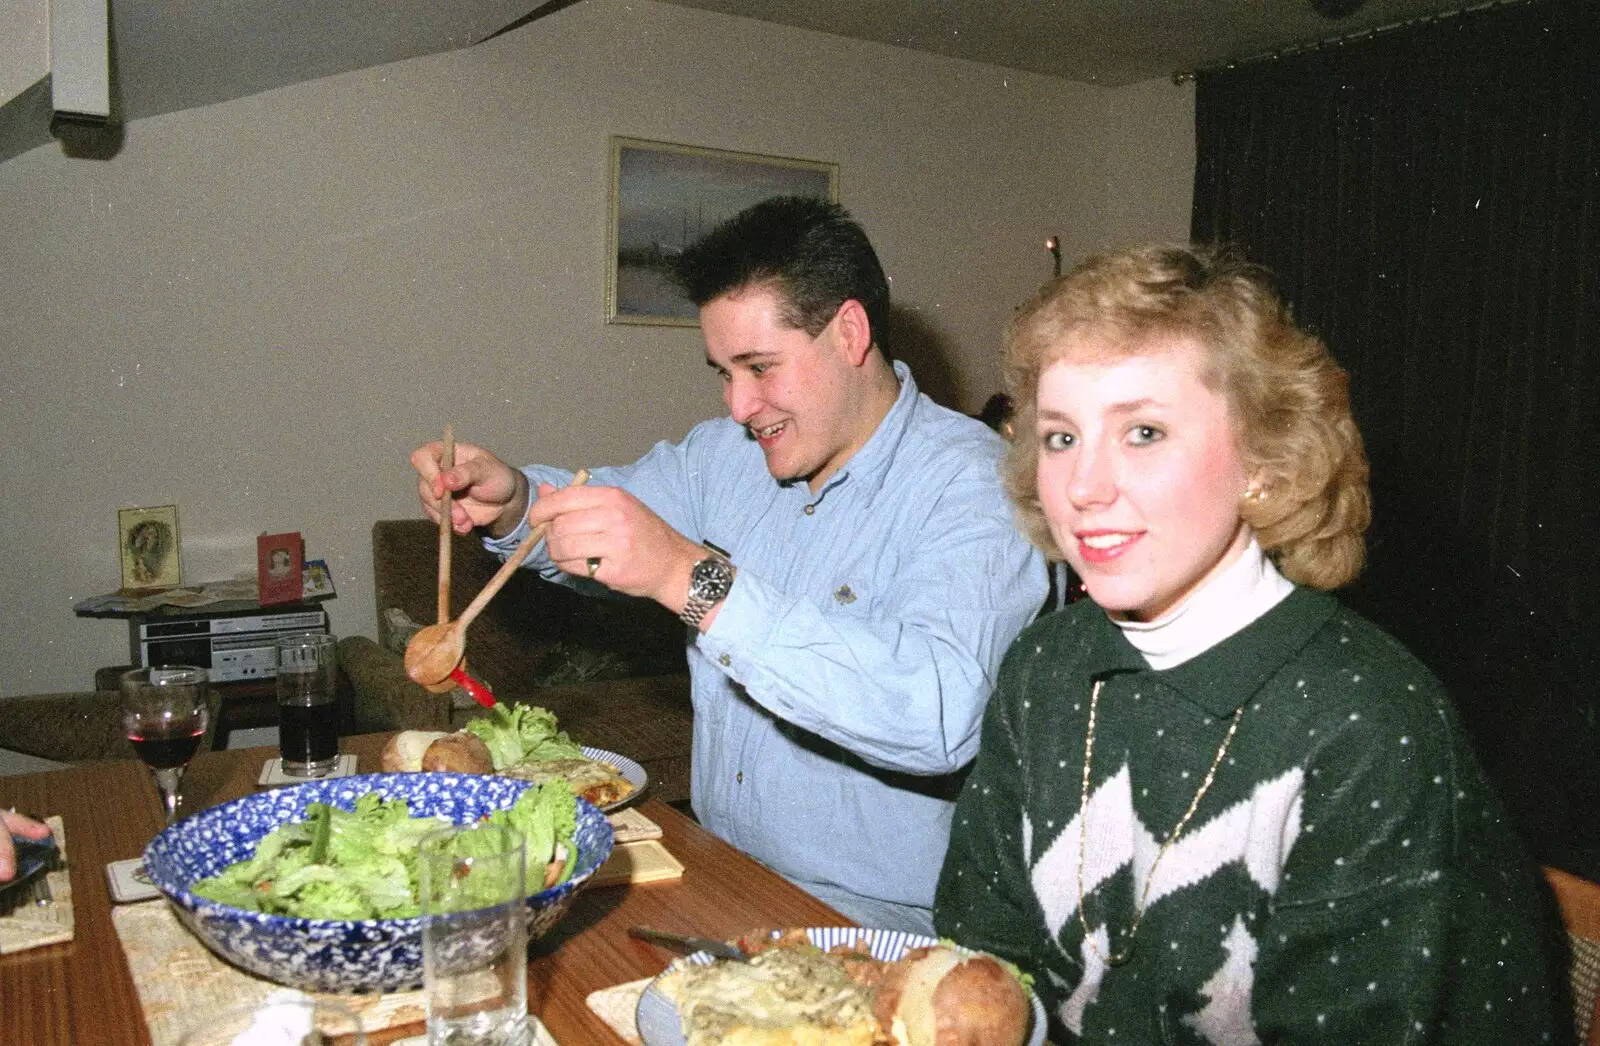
(147, 540)
(665, 197)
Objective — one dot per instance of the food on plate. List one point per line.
(594, 779)
(515, 740)
(361, 864)
(941, 996)
(523, 734)
(461, 753)
(782, 995)
(791, 993)
(404, 750)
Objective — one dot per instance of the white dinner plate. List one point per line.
(630, 770)
(657, 1015)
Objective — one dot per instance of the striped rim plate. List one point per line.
(630, 770)
(657, 1015)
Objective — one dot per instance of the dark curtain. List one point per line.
(1429, 199)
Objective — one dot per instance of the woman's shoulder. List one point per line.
(1062, 641)
(1353, 688)
(1352, 652)
(1071, 623)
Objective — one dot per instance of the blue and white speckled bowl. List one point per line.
(330, 954)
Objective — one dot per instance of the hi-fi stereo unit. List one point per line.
(231, 646)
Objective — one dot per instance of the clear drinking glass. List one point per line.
(280, 1020)
(308, 717)
(164, 714)
(475, 936)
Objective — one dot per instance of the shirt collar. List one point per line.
(1229, 674)
(1226, 603)
(870, 465)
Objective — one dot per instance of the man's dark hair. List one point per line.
(811, 252)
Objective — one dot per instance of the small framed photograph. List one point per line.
(316, 582)
(280, 561)
(148, 542)
(665, 197)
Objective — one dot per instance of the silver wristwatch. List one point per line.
(709, 583)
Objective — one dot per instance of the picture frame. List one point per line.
(280, 567)
(316, 581)
(664, 197)
(149, 547)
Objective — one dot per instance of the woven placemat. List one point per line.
(35, 925)
(618, 1006)
(177, 977)
(1585, 982)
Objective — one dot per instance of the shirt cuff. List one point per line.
(503, 547)
(745, 622)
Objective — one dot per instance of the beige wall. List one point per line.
(24, 45)
(256, 309)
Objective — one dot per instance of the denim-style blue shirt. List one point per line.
(843, 682)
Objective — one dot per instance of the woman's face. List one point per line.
(1139, 474)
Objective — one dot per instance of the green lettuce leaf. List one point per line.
(362, 864)
(522, 733)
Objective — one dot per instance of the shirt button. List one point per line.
(724, 660)
(739, 777)
(811, 510)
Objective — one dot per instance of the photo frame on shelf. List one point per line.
(280, 563)
(149, 547)
(665, 197)
(316, 581)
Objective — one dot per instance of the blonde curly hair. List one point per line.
(1288, 400)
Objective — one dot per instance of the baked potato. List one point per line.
(461, 753)
(403, 752)
(939, 996)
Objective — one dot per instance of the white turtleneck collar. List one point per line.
(1246, 589)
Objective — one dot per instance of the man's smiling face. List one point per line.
(794, 393)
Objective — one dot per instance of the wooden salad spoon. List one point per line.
(436, 650)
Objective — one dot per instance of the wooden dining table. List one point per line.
(82, 992)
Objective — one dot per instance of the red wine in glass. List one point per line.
(161, 749)
(164, 713)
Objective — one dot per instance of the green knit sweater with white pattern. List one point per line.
(1349, 877)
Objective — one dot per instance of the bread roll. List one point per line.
(463, 753)
(949, 998)
(404, 750)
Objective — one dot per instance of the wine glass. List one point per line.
(164, 713)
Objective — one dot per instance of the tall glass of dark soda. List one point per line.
(308, 718)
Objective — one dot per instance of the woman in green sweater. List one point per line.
(1213, 805)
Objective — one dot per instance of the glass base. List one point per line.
(322, 768)
(480, 1029)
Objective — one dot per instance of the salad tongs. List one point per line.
(689, 945)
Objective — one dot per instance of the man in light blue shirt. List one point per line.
(840, 545)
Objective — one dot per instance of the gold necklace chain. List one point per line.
(1118, 958)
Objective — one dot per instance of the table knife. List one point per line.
(689, 945)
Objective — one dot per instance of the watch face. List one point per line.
(711, 578)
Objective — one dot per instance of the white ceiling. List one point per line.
(177, 54)
(1108, 42)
